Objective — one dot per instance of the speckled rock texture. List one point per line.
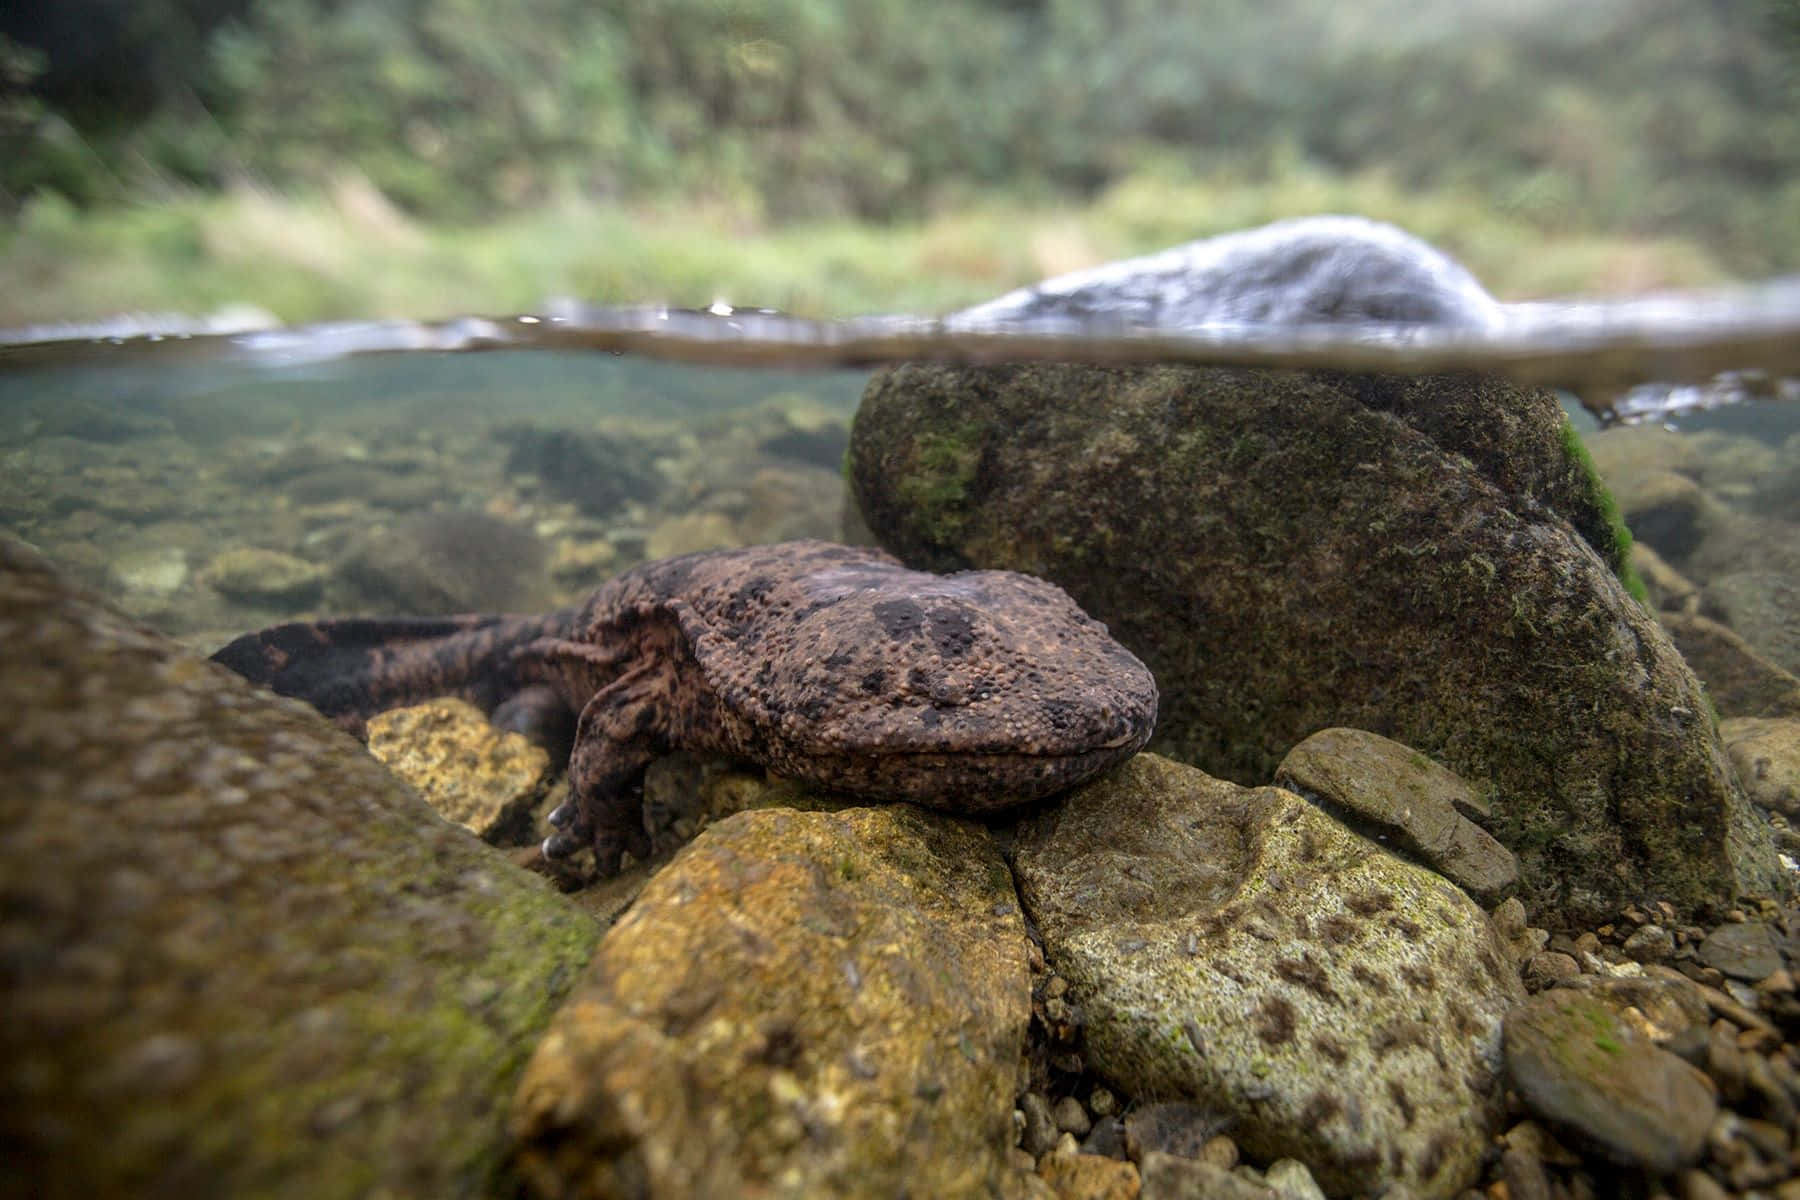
(1237, 948)
(1409, 803)
(486, 779)
(1596, 1079)
(239, 957)
(801, 1003)
(1430, 559)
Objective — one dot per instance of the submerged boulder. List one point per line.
(801, 1003)
(240, 957)
(1236, 948)
(1429, 559)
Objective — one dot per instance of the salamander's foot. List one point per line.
(620, 832)
(560, 845)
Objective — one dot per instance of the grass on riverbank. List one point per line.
(347, 253)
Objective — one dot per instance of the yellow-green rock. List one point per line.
(486, 779)
(799, 1004)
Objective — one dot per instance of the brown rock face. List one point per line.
(801, 1003)
(1427, 559)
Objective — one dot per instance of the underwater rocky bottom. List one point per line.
(244, 956)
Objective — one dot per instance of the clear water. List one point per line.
(482, 464)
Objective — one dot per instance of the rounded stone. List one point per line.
(1766, 753)
(1237, 950)
(1747, 950)
(264, 577)
(1580, 1067)
(834, 1000)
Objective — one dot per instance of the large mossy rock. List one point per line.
(240, 958)
(1429, 559)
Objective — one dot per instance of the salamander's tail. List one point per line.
(352, 669)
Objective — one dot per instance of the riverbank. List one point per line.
(347, 252)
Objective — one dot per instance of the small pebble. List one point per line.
(1650, 943)
(1040, 1128)
(1746, 951)
(1107, 1137)
(1549, 968)
(1102, 1103)
(1220, 1151)
(1070, 1117)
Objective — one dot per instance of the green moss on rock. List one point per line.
(242, 958)
(1423, 558)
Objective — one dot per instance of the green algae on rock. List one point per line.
(240, 957)
(1237, 948)
(1421, 558)
(801, 1003)
(1597, 1080)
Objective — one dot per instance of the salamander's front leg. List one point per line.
(622, 730)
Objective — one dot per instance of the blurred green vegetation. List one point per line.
(329, 157)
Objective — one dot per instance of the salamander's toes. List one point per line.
(563, 815)
(561, 845)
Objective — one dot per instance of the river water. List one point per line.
(214, 482)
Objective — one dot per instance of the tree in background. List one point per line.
(1649, 116)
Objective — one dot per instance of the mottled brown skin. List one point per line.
(829, 664)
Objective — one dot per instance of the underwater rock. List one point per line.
(691, 532)
(1740, 681)
(809, 1003)
(1766, 753)
(1429, 559)
(1302, 271)
(1238, 949)
(786, 503)
(264, 577)
(1667, 589)
(579, 566)
(1401, 798)
(1171, 1177)
(1670, 513)
(487, 779)
(152, 570)
(1089, 1176)
(1762, 605)
(808, 434)
(241, 959)
(1594, 1077)
(1749, 950)
(442, 562)
(599, 473)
